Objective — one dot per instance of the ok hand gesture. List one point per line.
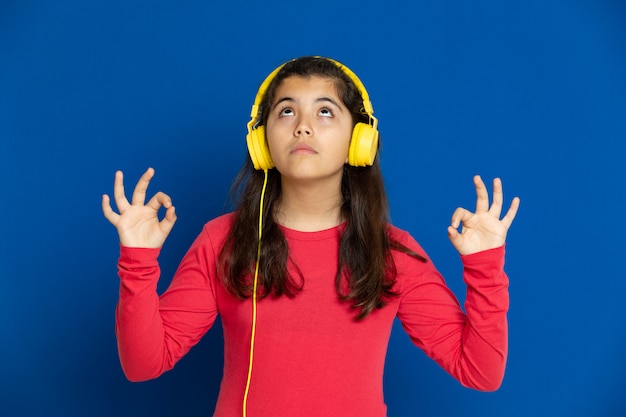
(137, 223)
(482, 230)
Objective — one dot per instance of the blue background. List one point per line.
(532, 91)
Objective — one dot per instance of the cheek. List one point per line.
(341, 147)
(270, 135)
(278, 127)
(349, 137)
(275, 143)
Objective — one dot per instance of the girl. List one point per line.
(308, 274)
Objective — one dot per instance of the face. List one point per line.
(308, 129)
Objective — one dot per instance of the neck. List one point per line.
(310, 207)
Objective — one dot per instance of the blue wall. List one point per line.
(534, 92)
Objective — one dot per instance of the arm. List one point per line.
(471, 346)
(153, 333)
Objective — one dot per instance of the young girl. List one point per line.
(308, 274)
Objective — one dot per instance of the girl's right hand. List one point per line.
(138, 223)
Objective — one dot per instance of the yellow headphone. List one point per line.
(363, 144)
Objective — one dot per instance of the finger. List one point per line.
(109, 214)
(507, 220)
(482, 197)
(159, 200)
(139, 195)
(454, 236)
(496, 206)
(168, 221)
(460, 216)
(118, 192)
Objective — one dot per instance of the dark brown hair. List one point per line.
(366, 270)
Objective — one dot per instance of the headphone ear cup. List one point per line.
(363, 145)
(258, 149)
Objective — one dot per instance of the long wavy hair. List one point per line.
(366, 271)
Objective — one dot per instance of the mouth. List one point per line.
(303, 149)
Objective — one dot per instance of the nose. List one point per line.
(303, 128)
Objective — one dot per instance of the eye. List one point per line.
(325, 112)
(286, 111)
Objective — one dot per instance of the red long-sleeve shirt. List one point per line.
(312, 358)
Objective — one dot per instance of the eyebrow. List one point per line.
(317, 100)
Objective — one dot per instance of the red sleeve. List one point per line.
(471, 346)
(154, 332)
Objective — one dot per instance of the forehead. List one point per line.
(297, 85)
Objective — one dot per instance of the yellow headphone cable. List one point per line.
(254, 297)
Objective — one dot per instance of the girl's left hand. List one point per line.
(482, 230)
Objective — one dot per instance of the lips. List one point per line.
(303, 149)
